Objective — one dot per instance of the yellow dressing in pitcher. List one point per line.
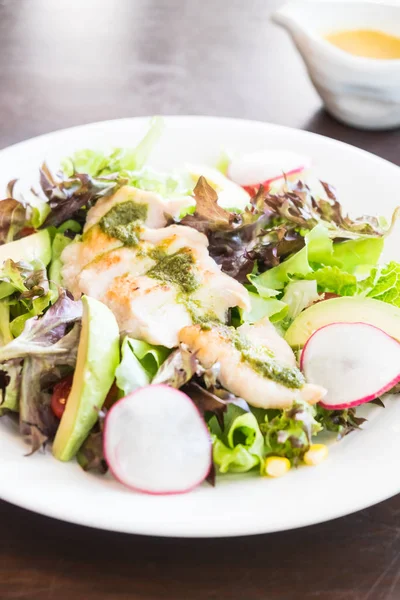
(366, 42)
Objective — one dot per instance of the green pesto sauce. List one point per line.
(262, 360)
(206, 321)
(123, 221)
(157, 253)
(176, 269)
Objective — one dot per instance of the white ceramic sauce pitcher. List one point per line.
(362, 92)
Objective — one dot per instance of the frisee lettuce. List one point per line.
(289, 432)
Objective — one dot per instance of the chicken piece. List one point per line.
(263, 333)
(99, 275)
(158, 208)
(155, 310)
(215, 285)
(238, 375)
(95, 242)
(151, 305)
(147, 309)
(219, 292)
(77, 255)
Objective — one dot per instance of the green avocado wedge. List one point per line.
(98, 357)
(32, 247)
(344, 310)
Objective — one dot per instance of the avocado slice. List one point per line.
(32, 247)
(98, 357)
(344, 310)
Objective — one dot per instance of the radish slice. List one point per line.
(156, 441)
(354, 362)
(252, 170)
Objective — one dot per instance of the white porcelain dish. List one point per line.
(359, 471)
(359, 91)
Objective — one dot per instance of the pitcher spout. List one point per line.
(289, 17)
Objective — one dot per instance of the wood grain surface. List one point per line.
(67, 62)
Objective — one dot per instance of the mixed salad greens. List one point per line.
(72, 379)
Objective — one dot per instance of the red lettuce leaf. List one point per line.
(90, 455)
(39, 375)
(71, 197)
(297, 205)
(208, 215)
(341, 422)
(13, 218)
(40, 334)
(214, 400)
(273, 226)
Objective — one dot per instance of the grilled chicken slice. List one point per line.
(237, 375)
(95, 242)
(80, 253)
(158, 208)
(147, 307)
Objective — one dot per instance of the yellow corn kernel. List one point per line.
(316, 454)
(276, 466)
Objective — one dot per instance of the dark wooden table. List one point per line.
(67, 62)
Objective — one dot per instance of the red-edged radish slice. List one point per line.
(354, 362)
(156, 441)
(266, 167)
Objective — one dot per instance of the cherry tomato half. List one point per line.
(26, 231)
(60, 395)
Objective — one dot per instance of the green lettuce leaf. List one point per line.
(239, 447)
(40, 210)
(166, 184)
(97, 163)
(277, 277)
(92, 162)
(318, 248)
(384, 284)
(5, 332)
(298, 296)
(351, 254)
(263, 307)
(235, 460)
(139, 364)
(60, 242)
(24, 293)
(321, 251)
(133, 159)
(150, 357)
(334, 280)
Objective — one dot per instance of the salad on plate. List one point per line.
(173, 327)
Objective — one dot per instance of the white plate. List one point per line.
(360, 470)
